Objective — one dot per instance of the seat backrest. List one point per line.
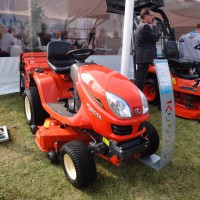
(171, 50)
(56, 56)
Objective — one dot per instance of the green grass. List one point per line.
(25, 171)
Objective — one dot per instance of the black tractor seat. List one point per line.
(181, 68)
(56, 57)
(181, 64)
(187, 76)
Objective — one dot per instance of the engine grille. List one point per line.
(121, 130)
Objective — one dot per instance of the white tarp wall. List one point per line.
(9, 75)
(9, 70)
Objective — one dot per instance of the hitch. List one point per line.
(115, 160)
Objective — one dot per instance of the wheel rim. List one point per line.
(27, 108)
(69, 166)
(150, 92)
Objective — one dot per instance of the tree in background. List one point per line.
(37, 23)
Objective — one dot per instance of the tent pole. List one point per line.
(30, 23)
(127, 33)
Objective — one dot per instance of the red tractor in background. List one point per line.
(186, 86)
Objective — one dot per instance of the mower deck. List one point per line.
(52, 135)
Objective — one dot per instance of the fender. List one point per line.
(51, 87)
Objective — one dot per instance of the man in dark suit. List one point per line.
(146, 36)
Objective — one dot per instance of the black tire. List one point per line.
(21, 83)
(153, 137)
(33, 110)
(151, 91)
(78, 163)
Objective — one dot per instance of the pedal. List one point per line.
(65, 100)
(70, 89)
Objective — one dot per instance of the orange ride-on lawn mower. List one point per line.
(185, 87)
(78, 109)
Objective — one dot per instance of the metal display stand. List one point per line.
(3, 134)
(168, 117)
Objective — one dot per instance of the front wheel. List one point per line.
(78, 163)
(152, 135)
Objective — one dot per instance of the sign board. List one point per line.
(168, 117)
(3, 134)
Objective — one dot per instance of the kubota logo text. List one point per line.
(93, 111)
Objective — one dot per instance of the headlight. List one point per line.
(145, 106)
(118, 106)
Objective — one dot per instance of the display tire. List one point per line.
(151, 91)
(152, 135)
(78, 163)
(33, 110)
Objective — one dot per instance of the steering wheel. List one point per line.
(80, 54)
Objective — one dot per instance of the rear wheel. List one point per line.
(78, 163)
(151, 91)
(152, 135)
(33, 110)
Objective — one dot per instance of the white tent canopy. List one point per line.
(183, 21)
(180, 12)
(185, 8)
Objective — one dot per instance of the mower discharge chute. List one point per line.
(78, 109)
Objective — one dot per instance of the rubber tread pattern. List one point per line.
(83, 161)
